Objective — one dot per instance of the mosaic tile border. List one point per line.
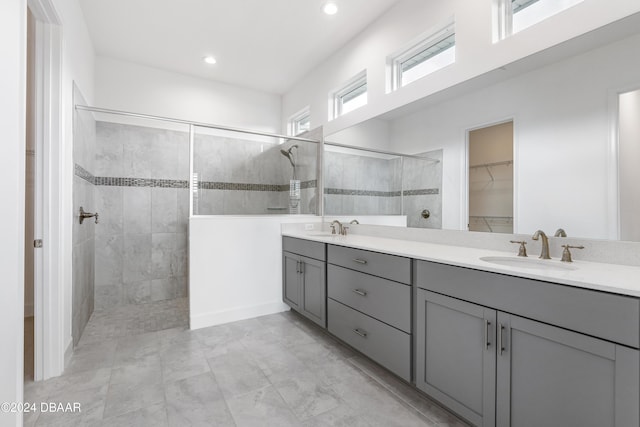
(141, 182)
(421, 192)
(352, 192)
(374, 193)
(235, 186)
(82, 173)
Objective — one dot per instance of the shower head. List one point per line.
(288, 154)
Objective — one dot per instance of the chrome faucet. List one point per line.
(333, 227)
(354, 221)
(545, 244)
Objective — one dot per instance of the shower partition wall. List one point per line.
(242, 174)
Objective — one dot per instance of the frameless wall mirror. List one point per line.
(565, 170)
(491, 178)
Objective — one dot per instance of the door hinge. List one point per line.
(37, 243)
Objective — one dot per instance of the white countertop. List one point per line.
(619, 279)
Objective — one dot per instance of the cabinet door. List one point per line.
(314, 290)
(456, 356)
(291, 292)
(548, 376)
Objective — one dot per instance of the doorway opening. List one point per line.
(490, 173)
(628, 159)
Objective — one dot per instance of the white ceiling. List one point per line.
(266, 45)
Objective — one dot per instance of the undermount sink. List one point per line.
(530, 263)
(320, 234)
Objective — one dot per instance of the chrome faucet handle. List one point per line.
(560, 233)
(344, 230)
(522, 251)
(333, 229)
(566, 254)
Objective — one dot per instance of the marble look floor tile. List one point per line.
(144, 371)
(131, 350)
(152, 416)
(123, 398)
(406, 393)
(237, 373)
(261, 408)
(91, 399)
(178, 365)
(276, 370)
(197, 401)
(340, 416)
(378, 405)
(135, 386)
(102, 355)
(304, 393)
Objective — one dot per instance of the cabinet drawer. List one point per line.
(382, 299)
(388, 266)
(386, 345)
(303, 247)
(603, 315)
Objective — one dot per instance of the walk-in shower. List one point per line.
(147, 176)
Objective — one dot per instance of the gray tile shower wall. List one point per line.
(361, 185)
(83, 265)
(250, 176)
(365, 185)
(422, 189)
(142, 197)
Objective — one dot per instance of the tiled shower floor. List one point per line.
(138, 319)
(277, 370)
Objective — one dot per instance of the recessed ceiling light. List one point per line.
(209, 60)
(330, 8)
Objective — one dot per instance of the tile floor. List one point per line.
(278, 370)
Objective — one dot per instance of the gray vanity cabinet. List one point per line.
(304, 286)
(456, 356)
(496, 368)
(548, 376)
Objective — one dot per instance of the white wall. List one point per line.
(13, 29)
(235, 264)
(561, 125)
(235, 267)
(131, 87)
(475, 52)
(370, 134)
(77, 66)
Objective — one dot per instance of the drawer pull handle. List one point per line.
(360, 292)
(357, 331)
(501, 346)
(360, 261)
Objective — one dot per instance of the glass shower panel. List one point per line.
(358, 182)
(238, 173)
(422, 190)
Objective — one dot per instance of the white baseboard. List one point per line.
(232, 315)
(28, 310)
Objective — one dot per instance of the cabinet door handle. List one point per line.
(501, 338)
(360, 261)
(487, 325)
(298, 267)
(360, 292)
(357, 331)
(301, 267)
